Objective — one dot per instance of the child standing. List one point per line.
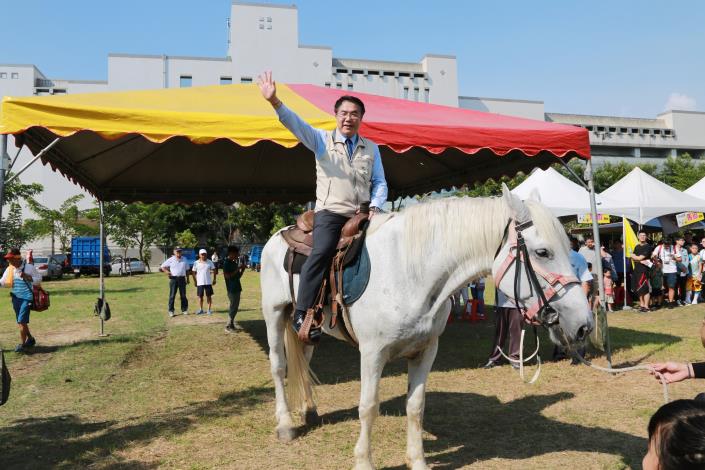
(609, 289)
(693, 285)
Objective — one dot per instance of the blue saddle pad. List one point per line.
(355, 277)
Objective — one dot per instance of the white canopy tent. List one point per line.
(698, 189)
(561, 195)
(641, 197)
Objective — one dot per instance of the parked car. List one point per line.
(123, 266)
(48, 267)
(65, 261)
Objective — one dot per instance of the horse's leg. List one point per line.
(419, 368)
(371, 365)
(276, 322)
(311, 416)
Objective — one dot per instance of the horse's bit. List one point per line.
(540, 312)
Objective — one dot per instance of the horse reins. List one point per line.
(542, 313)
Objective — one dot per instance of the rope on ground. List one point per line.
(660, 376)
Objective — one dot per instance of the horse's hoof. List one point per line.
(311, 418)
(285, 435)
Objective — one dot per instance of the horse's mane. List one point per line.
(448, 227)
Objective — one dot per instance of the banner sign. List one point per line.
(587, 219)
(687, 218)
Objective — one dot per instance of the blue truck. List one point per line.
(85, 256)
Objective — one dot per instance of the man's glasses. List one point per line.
(349, 114)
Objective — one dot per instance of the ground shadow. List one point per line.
(82, 290)
(463, 345)
(469, 428)
(68, 441)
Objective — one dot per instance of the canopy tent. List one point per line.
(561, 195)
(698, 189)
(225, 143)
(640, 197)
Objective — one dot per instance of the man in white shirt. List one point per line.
(669, 259)
(176, 268)
(201, 271)
(588, 252)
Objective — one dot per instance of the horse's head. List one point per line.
(544, 285)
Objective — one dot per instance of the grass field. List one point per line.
(182, 393)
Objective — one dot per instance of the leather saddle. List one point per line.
(299, 237)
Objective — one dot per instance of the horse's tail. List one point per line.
(300, 377)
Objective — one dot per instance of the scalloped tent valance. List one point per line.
(225, 143)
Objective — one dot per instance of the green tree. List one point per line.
(492, 187)
(186, 239)
(12, 233)
(63, 223)
(682, 172)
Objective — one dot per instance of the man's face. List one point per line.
(203, 256)
(642, 237)
(232, 255)
(177, 254)
(16, 262)
(590, 243)
(348, 117)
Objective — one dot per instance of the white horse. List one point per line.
(419, 258)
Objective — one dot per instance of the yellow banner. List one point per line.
(630, 240)
(587, 219)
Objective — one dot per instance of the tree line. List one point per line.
(140, 225)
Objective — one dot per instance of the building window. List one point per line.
(185, 81)
(3, 74)
(358, 71)
(406, 93)
(387, 73)
(58, 91)
(328, 84)
(246, 80)
(623, 130)
(339, 85)
(350, 86)
(226, 80)
(416, 94)
(426, 95)
(15, 75)
(404, 74)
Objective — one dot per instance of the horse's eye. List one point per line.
(542, 252)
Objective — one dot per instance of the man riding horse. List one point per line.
(349, 175)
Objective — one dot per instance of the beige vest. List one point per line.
(340, 186)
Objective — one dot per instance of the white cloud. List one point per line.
(681, 102)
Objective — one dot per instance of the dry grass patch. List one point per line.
(182, 393)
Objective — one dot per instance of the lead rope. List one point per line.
(521, 361)
(611, 370)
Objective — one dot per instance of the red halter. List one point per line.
(540, 312)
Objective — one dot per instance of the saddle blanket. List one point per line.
(356, 274)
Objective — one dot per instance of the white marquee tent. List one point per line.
(697, 190)
(641, 197)
(561, 195)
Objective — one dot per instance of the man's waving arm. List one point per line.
(311, 137)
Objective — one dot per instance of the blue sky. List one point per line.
(627, 58)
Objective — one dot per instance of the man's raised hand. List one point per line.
(268, 87)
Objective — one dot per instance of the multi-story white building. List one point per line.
(266, 37)
(261, 37)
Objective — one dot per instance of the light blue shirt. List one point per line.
(580, 267)
(315, 140)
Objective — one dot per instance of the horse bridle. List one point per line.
(541, 312)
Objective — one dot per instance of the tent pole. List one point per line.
(101, 268)
(3, 161)
(44, 150)
(624, 254)
(598, 257)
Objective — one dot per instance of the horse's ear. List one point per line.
(534, 195)
(519, 209)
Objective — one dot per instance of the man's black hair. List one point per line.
(233, 249)
(352, 99)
